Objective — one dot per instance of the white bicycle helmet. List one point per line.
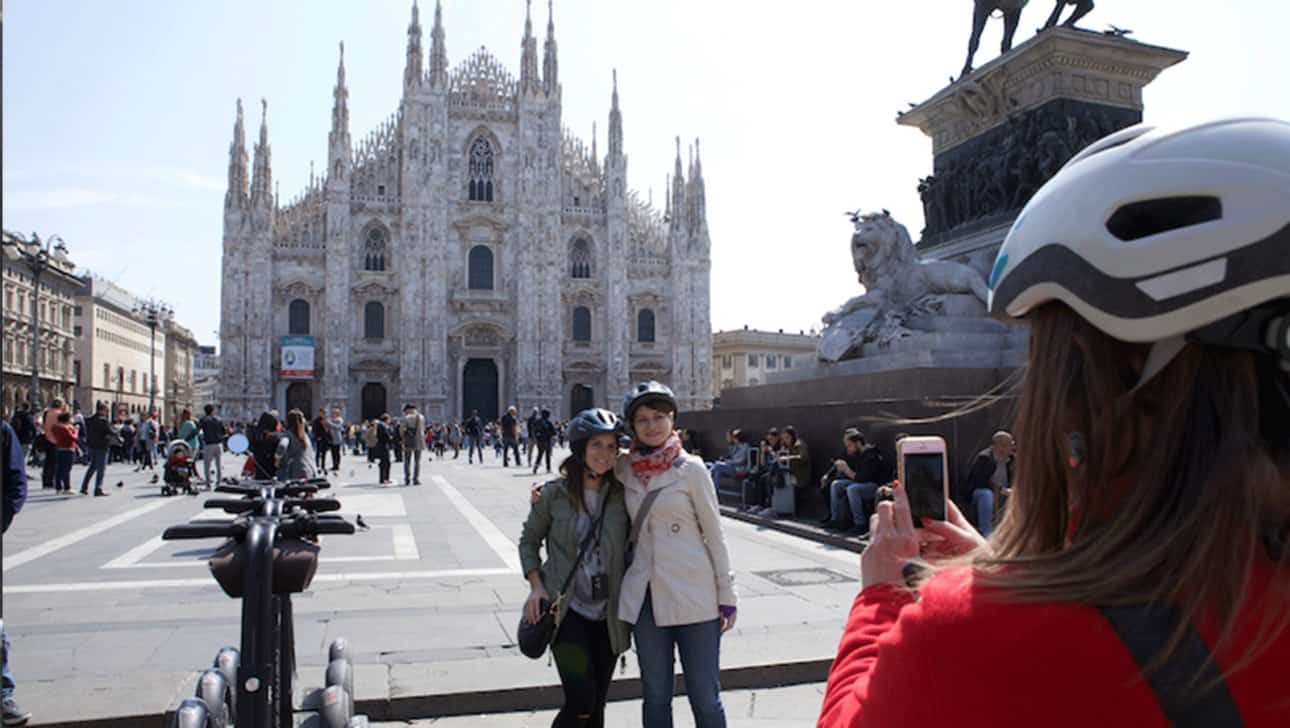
(1154, 235)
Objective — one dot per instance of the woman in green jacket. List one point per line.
(586, 506)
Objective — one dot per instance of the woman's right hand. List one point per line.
(957, 536)
(533, 605)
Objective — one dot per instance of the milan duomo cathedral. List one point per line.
(469, 254)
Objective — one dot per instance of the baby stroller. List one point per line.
(178, 473)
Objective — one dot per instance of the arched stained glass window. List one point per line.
(480, 171)
(645, 326)
(298, 318)
(479, 267)
(580, 259)
(582, 324)
(373, 320)
(374, 249)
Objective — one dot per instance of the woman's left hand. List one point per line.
(895, 542)
(727, 618)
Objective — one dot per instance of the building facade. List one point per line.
(206, 377)
(471, 253)
(744, 357)
(53, 305)
(115, 352)
(181, 348)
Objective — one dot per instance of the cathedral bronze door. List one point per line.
(479, 389)
(300, 396)
(583, 397)
(373, 400)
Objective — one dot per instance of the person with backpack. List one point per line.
(411, 431)
(213, 435)
(1140, 574)
(472, 431)
(544, 433)
(369, 440)
(510, 426)
(146, 437)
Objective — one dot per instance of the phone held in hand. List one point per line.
(923, 470)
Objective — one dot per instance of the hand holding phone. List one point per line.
(922, 468)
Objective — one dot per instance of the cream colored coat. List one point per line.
(681, 556)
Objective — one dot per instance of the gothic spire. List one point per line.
(550, 66)
(529, 81)
(615, 123)
(412, 69)
(338, 144)
(438, 52)
(699, 197)
(678, 189)
(595, 164)
(237, 179)
(262, 181)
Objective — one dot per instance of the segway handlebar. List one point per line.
(212, 529)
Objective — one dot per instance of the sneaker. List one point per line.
(98, 493)
(84, 492)
(13, 715)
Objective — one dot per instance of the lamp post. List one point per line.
(154, 312)
(38, 262)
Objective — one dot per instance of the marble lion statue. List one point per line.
(888, 266)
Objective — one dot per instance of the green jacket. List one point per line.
(553, 520)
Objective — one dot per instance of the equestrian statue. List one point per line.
(1011, 10)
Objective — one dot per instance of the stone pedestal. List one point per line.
(1001, 132)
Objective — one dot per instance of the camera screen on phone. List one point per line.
(925, 486)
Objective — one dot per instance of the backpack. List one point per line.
(411, 431)
(369, 437)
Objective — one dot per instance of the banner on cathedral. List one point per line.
(297, 357)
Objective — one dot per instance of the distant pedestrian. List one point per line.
(213, 436)
(188, 430)
(15, 495)
(48, 419)
(321, 431)
(149, 431)
(510, 437)
(25, 428)
(412, 432)
(530, 442)
(337, 432)
(63, 436)
(545, 432)
(292, 453)
(98, 438)
(472, 431)
(381, 449)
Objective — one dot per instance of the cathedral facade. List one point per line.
(469, 254)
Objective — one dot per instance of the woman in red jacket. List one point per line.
(1140, 576)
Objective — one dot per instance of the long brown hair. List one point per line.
(1182, 482)
(296, 425)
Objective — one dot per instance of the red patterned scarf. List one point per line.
(645, 465)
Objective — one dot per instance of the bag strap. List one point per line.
(582, 550)
(1145, 630)
(646, 504)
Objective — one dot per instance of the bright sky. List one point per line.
(117, 116)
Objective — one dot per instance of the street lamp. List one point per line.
(154, 312)
(38, 262)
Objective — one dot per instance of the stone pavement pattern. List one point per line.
(788, 707)
(428, 597)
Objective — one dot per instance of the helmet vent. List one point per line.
(1138, 220)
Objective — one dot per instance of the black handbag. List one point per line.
(534, 638)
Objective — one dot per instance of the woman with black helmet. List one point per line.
(1140, 575)
(582, 518)
(678, 591)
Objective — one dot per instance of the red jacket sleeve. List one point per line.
(874, 611)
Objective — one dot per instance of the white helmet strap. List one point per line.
(1162, 352)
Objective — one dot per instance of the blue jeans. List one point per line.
(6, 675)
(983, 500)
(700, 648)
(98, 465)
(474, 444)
(719, 469)
(858, 496)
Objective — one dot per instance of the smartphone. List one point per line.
(922, 467)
